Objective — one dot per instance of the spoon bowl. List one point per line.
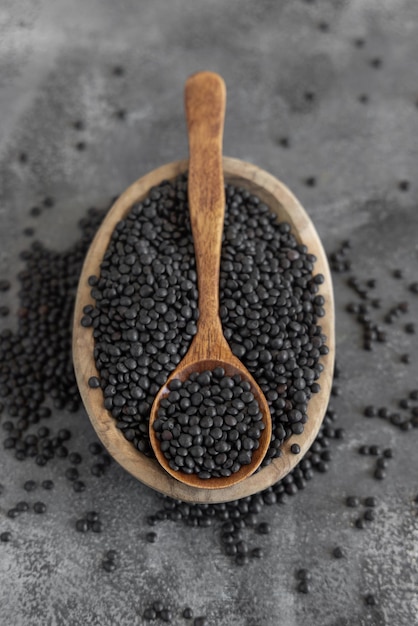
(231, 366)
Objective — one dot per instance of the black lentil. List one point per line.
(379, 473)
(29, 485)
(118, 70)
(150, 613)
(370, 411)
(338, 553)
(95, 448)
(71, 474)
(370, 600)
(96, 526)
(166, 615)
(108, 565)
(5, 536)
(75, 458)
(82, 525)
(264, 528)
(39, 507)
(48, 202)
(303, 574)
(403, 185)
(304, 586)
(22, 506)
(352, 501)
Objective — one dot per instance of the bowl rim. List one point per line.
(282, 201)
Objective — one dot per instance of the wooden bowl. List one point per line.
(147, 470)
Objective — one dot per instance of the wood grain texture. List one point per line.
(286, 206)
(204, 103)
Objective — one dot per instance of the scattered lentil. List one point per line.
(5, 536)
(30, 485)
(352, 501)
(370, 501)
(370, 600)
(338, 553)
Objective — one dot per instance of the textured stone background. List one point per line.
(56, 62)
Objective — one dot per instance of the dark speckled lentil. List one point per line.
(370, 600)
(82, 525)
(29, 485)
(352, 501)
(338, 553)
(39, 507)
(5, 536)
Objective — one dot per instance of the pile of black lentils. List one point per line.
(209, 425)
(145, 311)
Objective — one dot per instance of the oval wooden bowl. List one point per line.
(278, 197)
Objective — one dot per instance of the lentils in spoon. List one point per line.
(209, 424)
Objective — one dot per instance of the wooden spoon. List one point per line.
(205, 98)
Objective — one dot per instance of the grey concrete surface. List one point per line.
(56, 62)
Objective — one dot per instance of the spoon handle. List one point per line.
(205, 100)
